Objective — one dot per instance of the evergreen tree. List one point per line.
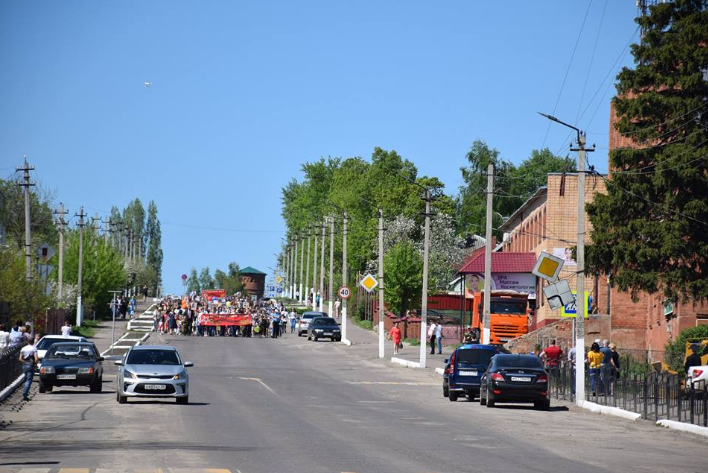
(649, 231)
(154, 245)
(205, 279)
(193, 282)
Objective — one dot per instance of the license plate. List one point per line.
(328, 334)
(155, 387)
(521, 379)
(468, 373)
(66, 376)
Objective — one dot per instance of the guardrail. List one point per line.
(653, 395)
(10, 366)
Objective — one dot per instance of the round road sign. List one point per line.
(184, 277)
(344, 292)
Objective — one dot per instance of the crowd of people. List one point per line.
(185, 316)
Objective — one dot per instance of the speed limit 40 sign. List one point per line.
(344, 292)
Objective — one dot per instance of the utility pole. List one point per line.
(61, 224)
(295, 279)
(331, 265)
(344, 276)
(113, 310)
(307, 271)
(314, 271)
(382, 309)
(25, 169)
(580, 300)
(79, 303)
(322, 278)
(424, 301)
(94, 223)
(302, 263)
(106, 230)
(291, 265)
(488, 258)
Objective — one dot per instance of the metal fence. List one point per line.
(10, 366)
(653, 395)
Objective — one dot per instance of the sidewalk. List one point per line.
(103, 331)
(408, 354)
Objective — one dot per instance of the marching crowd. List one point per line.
(268, 318)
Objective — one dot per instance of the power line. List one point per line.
(592, 59)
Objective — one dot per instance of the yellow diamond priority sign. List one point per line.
(368, 282)
(548, 267)
(278, 279)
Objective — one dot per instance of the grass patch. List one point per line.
(412, 341)
(365, 324)
(87, 330)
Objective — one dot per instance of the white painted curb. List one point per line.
(406, 363)
(608, 410)
(11, 388)
(347, 342)
(691, 428)
(440, 371)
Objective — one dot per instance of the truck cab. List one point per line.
(509, 315)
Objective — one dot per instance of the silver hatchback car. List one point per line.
(153, 371)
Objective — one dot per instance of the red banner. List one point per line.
(225, 320)
(208, 294)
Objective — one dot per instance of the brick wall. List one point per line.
(596, 326)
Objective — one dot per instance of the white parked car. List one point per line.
(48, 340)
(696, 374)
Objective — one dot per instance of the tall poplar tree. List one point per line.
(650, 230)
(154, 243)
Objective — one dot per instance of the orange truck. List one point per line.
(509, 315)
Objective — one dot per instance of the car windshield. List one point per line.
(45, 343)
(518, 361)
(474, 357)
(508, 306)
(153, 357)
(70, 350)
(325, 321)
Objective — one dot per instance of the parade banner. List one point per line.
(208, 294)
(225, 320)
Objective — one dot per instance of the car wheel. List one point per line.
(452, 396)
(42, 387)
(482, 399)
(446, 392)
(542, 405)
(97, 385)
(316, 339)
(183, 400)
(332, 338)
(121, 399)
(490, 402)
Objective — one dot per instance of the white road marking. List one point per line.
(259, 380)
(393, 383)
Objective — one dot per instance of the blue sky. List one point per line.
(244, 92)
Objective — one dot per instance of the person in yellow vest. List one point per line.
(594, 362)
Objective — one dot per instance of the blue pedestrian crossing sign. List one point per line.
(570, 310)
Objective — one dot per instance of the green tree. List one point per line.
(103, 269)
(193, 282)
(649, 231)
(205, 279)
(154, 246)
(25, 298)
(675, 355)
(403, 268)
(12, 215)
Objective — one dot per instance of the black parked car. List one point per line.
(324, 327)
(71, 364)
(515, 378)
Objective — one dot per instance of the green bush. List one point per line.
(676, 350)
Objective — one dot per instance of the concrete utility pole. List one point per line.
(79, 303)
(382, 309)
(106, 231)
(580, 300)
(286, 261)
(302, 263)
(344, 276)
(308, 288)
(25, 169)
(61, 224)
(488, 258)
(424, 301)
(314, 270)
(322, 266)
(94, 223)
(291, 267)
(331, 266)
(295, 279)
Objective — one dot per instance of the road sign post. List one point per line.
(344, 292)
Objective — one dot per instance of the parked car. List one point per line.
(465, 367)
(324, 327)
(304, 321)
(515, 378)
(48, 340)
(71, 364)
(153, 371)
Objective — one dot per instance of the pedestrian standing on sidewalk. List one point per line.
(395, 336)
(594, 362)
(66, 329)
(29, 359)
(438, 337)
(431, 337)
(4, 339)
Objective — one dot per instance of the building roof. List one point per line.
(516, 217)
(501, 263)
(250, 270)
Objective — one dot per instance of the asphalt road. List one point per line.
(263, 405)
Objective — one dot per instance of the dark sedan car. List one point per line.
(324, 327)
(71, 364)
(465, 368)
(515, 378)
